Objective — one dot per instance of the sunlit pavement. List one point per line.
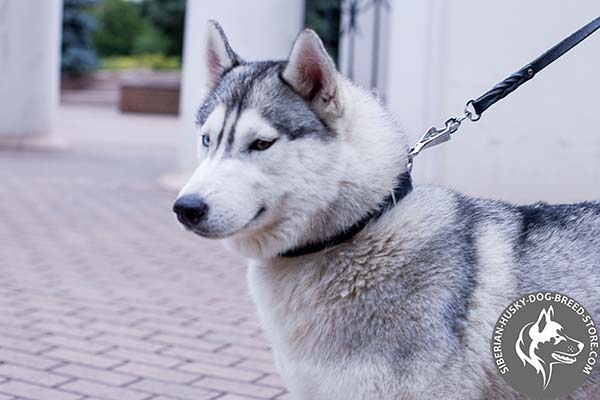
(102, 294)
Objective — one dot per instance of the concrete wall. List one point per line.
(540, 143)
(257, 29)
(29, 66)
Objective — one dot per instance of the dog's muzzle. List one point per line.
(190, 210)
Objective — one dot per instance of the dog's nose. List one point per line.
(190, 210)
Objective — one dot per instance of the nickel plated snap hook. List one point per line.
(435, 136)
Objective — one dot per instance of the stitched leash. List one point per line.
(435, 136)
(474, 108)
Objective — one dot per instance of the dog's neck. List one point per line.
(374, 156)
(402, 189)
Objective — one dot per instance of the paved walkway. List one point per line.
(102, 294)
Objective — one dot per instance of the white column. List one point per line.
(30, 34)
(256, 29)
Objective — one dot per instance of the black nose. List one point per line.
(190, 210)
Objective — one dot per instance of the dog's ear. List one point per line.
(544, 318)
(311, 72)
(219, 55)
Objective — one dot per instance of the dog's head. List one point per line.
(544, 343)
(279, 148)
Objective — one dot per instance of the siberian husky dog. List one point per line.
(366, 288)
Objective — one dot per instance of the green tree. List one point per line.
(150, 40)
(78, 55)
(119, 24)
(168, 16)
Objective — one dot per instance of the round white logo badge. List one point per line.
(545, 345)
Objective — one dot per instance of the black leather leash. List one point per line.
(435, 136)
(474, 108)
(508, 85)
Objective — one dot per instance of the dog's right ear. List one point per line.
(219, 55)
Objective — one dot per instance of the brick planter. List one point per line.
(75, 82)
(149, 97)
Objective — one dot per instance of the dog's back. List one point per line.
(558, 249)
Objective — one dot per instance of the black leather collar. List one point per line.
(403, 188)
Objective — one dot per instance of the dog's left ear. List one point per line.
(550, 313)
(544, 318)
(311, 72)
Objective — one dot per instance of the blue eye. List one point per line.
(205, 140)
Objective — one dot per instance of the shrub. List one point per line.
(119, 23)
(78, 54)
(142, 61)
(168, 16)
(150, 40)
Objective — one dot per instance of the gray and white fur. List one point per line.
(290, 153)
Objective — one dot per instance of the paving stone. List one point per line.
(192, 343)
(23, 345)
(248, 352)
(129, 343)
(271, 380)
(108, 392)
(187, 354)
(96, 374)
(144, 357)
(24, 359)
(76, 344)
(186, 392)
(55, 327)
(79, 357)
(257, 365)
(163, 374)
(35, 392)
(236, 387)
(19, 332)
(230, 338)
(32, 375)
(221, 372)
(106, 327)
(235, 397)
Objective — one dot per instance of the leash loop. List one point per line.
(470, 111)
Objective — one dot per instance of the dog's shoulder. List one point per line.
(436, 210)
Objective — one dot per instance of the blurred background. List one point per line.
(102, 296)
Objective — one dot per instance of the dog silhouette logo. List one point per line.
(544, 343)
